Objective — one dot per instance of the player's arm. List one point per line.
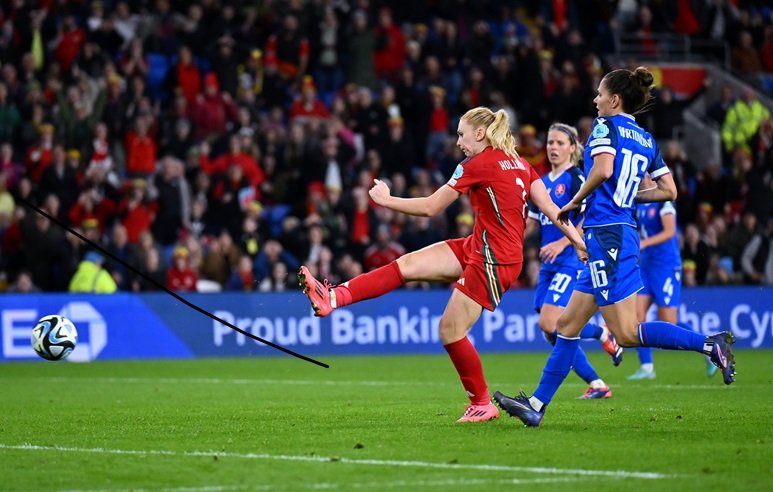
(603, 167)
(541, 198)
(550, 251)
(669, 231)
(664, 190)
(427, 206)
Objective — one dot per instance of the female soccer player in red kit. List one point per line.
(482, 266)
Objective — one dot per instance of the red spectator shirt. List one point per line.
(181, 280)
(499, 187)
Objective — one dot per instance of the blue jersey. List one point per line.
(635, 153)
(650, 220)
(561, 189)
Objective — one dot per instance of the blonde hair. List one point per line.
(570, 132)
(497, 127)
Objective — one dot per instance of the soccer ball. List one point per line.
(54, 337)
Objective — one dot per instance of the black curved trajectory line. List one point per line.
(165, 289)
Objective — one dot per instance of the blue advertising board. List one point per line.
(131, 326)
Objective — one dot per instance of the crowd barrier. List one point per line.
(153, 326)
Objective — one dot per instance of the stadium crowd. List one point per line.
(217, 145)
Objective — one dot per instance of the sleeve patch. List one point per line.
(599, 141)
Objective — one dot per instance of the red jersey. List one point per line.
(499, 187)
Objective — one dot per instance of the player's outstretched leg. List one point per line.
(718, 347)
(597, 388)
(607, 339)
(317, 292)
(722, 354)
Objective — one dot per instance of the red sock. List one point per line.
(369, 285)
(468, 365)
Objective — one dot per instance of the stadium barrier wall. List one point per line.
(151, 326)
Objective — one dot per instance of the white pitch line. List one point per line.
(350, 461)
(354, 485)
(322, 382)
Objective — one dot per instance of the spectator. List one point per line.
(212, 111)
(185, 76)
(9, 167)
(68, 43)
(181, 277)
(243, 278)
(278, 280)
(273, 253)
(384, 249)
(140, 151)
(61, 179)
(23, 284)
(744, 57)
(120, 248)
(155, 275)
(10, 119)
(766, 50)
(91, 277)
(221, 259)
(389, 53)
(40, 155)
(307, 106)
(173, 201)
(719, 108)
(290, 48)
(361, 44)
(742, 121)
(757, 258)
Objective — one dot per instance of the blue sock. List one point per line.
(645, 355)
(557, 367)
(664, 335)
(581, 364)
(583, 368)
(591, 330)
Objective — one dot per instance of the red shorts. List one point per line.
(482, 282)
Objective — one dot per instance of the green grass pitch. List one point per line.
(377, 423)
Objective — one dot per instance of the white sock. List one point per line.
(332, 298)
(604, 334)
(598, 384)
(708, 347)
(535, 403)
(649, 367)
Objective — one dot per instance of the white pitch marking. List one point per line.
(314, 382)
(350, 461)
(356, 485)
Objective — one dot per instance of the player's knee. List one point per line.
(407, 266)
(627, 338)
(450, 331)
(548, 326)
(562, 324)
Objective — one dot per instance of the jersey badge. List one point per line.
(560, 189)
(600, 130)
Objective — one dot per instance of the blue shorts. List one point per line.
(555, 287)
(611, 273)
(663, 283)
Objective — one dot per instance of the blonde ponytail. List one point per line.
(497, 128)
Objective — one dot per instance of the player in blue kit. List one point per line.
(660, 264)
(560, 265)
(617, 155)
